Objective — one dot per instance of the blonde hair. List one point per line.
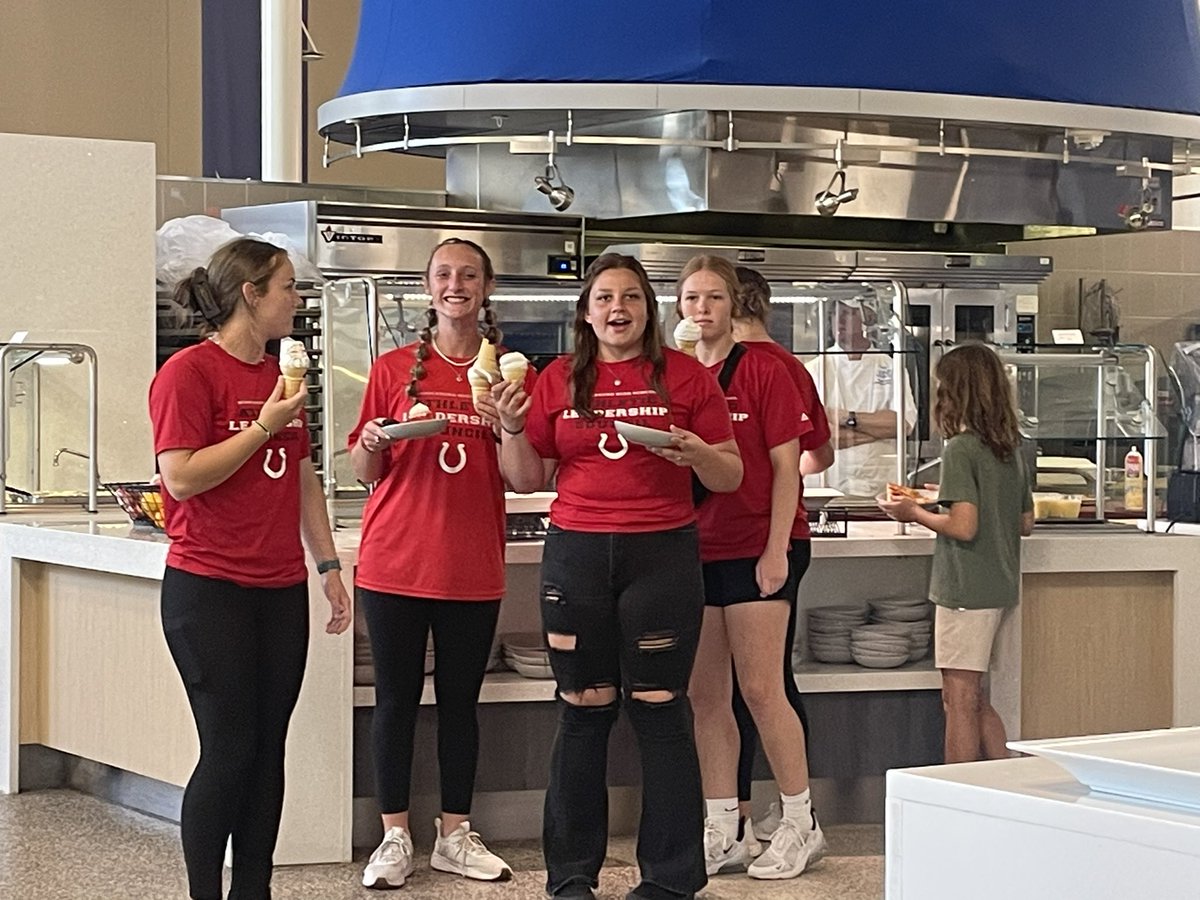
(719, 266)
(973, 394)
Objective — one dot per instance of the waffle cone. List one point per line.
(487, 358)
(292, 386)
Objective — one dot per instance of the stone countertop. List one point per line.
(106, 541)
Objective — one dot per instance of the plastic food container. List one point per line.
(1056, 506)
(141, 501)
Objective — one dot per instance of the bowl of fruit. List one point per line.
(141, 500)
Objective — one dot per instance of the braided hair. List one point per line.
(490, 329)
(214, 292)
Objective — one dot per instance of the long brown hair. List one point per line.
(582, 384)
(973, 394)
(490, 330)
(213, 292)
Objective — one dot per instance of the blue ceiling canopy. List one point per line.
(1111, 53)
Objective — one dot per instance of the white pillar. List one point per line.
(282, 96)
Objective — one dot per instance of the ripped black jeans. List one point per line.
(633, 604)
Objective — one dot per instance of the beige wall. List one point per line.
(124, 71)
(1157, 275)
(132, 71)
(78, 266)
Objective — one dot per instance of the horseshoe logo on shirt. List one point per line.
(462, 458)
(613, 454)
(275, 473)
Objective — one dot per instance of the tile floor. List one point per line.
(62, 845)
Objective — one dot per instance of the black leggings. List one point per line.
(241, 654)
(463, 631)
(799, 556)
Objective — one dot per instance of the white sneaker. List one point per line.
(793, 849)
(765, 827)
(722, 853)
(462, 852)
(753, 845)
(391, 863)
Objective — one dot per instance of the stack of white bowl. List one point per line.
(915, 614)
(527, 654)
(880, 646)
(829, 629)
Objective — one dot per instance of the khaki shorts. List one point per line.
(963, 638)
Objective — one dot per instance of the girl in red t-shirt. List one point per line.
(240, 493)
(750, 582)
(437, 502)
(621, 583)
(752, 310)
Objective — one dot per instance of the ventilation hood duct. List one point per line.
(663, 262)
(1056, 114)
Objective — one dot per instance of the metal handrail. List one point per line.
(85, 353)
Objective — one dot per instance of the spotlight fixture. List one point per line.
(560, 195)
(830, 200)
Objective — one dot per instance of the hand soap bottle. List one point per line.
(1135, 493)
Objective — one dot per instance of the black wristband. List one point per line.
(327, 565)
(520, 430)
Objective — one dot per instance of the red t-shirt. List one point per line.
(434, 525)
(247, 528)
(765, 408)
(608, 484)
(812, 411)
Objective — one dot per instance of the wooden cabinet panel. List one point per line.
(1096, 652)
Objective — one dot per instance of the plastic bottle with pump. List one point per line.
(1135, 492)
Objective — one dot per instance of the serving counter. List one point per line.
(1107, 639)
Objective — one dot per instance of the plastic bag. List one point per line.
(183, 244)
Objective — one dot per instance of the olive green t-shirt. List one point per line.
(983, 573)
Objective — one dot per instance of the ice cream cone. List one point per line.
(487, 358)
(293, 381)
(688, 347)
(513, 367)
(481, 382)
(687, 335)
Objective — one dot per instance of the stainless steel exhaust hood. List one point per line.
(663, 262)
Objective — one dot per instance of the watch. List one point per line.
(852, 420)
(327, 565)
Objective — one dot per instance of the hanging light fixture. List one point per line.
(308, 49)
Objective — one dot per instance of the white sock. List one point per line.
(723, 812)
(798, 808)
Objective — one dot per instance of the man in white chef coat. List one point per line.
(857, 389)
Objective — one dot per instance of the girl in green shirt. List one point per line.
(985, 506)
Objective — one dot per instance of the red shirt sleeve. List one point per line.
(181, 409)
(810, 403)
(780, 406)
(549, 399)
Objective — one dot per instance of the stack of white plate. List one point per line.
(915, 614)
(527, 654)
(829, 629)
(882, 646)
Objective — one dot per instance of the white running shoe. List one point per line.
(391, 863)
(462, 852)
(723, 854)
(753, 845)
(765, 827)
(793, 849)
